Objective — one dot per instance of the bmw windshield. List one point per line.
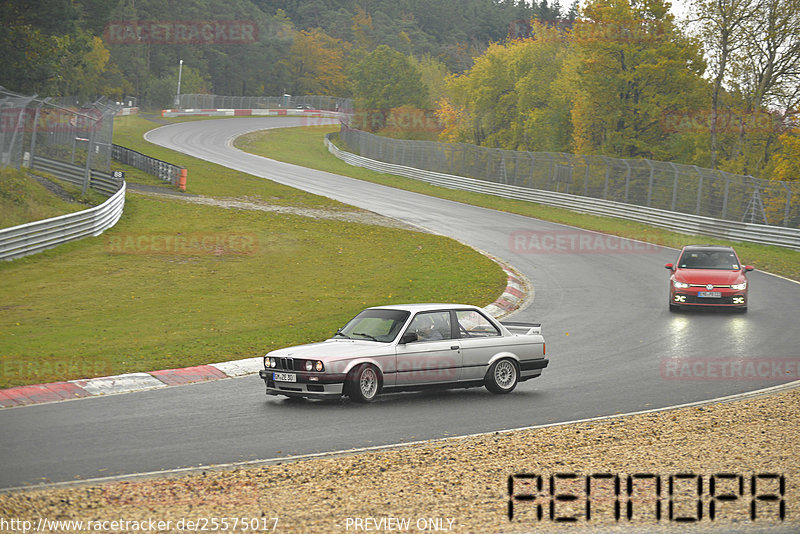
(375, 325)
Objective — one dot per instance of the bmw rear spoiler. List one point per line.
(524, 329)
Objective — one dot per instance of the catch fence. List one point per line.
(660, 185)
(327, 103)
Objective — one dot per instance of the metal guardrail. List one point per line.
(662, 185)
(677, 222)
(166, 171)
(34, 237)
(76, 175)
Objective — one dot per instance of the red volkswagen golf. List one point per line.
(708, 275)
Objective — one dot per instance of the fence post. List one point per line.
(586, 177)
(674, 186)
(605, 185)
(699, 189)
(725, 195)
(788, 203)
(33, 135)
(627, 178)
(20, 124)
(88, 173)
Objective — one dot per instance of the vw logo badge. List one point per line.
(710, 287)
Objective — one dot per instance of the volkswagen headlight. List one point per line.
(739, 287)
(679, 285)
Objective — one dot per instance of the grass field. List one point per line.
(304, 146)
(24, 200)
(175, 284)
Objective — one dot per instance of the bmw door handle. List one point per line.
(454, 347)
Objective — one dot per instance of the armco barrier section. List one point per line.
(677, 222)
(30, 238)
(34, 237)
(76, 175)
(166, 171)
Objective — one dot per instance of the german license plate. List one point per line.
(284, 377)
(709, 294)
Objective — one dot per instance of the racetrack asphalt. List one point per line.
(601, 301)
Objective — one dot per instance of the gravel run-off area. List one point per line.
(463, 484)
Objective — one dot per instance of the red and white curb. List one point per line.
(255, 112)
(126, 383)
(515, 297)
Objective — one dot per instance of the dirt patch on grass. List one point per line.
(258, 204)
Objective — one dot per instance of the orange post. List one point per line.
(182, 180)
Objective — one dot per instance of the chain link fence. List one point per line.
(71, 141)
(13, 116)
(62, 129)
(655, 184)
(327, 103)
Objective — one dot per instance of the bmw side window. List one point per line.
(431, 326)
(473, 324)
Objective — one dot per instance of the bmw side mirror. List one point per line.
(409, 337)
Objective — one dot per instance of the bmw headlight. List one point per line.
(739, 287)
(312, 365)
(679, 285)
(271, 362)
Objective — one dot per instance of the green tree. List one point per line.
(722, 28)
(316, 64)
(766, 73)
(509, 98)
(383, 80)
(161, 91)
(433, 74)
(630, 67)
